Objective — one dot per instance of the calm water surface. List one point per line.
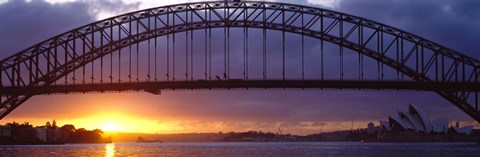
(320, 149)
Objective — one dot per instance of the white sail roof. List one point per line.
(401, 122)
(413, 121)
(385, 124)
(464, 130)
(416, 111)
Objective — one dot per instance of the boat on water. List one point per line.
(140, 139)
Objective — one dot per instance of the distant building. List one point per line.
(55, 135)
(41, 133)
(371, 128)
(417, 120)
(5, 131)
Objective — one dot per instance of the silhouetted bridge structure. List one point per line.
(230, 45)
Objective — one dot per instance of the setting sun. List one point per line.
(109, 127)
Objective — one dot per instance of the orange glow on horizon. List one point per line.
(117, 122)
(143, 113)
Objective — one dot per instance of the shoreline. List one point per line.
(219, 142)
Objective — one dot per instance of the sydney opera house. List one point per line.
(415, 124)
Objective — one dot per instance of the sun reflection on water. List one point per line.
(110, 150)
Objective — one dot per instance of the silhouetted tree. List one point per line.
(13, 124)
(98, 131)
(26, 134)
(68, 128)
(54, 124)
(82, 135)
(81, 130)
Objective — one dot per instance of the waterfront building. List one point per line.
(5, 130)
(41, 133)
(371, 128)
(56, 135)
(418, 121)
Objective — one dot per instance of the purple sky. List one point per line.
(454, 24)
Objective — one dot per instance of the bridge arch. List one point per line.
(41, 67)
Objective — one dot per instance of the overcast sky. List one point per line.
(452, 23)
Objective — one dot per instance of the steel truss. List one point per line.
(62, 64)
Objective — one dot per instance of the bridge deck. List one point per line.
(156, 87)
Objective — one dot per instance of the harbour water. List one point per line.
(317, 149)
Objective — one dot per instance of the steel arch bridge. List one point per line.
(226, 45)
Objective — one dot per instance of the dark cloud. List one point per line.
(453, 24)
(27, 23)
(469, 10)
